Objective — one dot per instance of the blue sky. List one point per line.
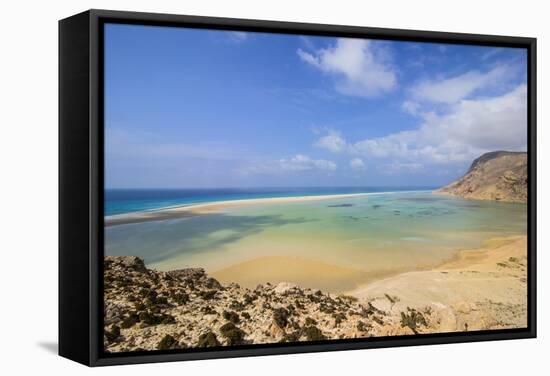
(203, 108)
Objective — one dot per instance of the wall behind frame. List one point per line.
(29, 190)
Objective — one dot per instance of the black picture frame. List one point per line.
(81, 185)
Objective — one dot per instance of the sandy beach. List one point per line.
(212, 207)
(483, 288)
(480, 289)
(301, 271)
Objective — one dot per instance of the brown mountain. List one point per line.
(498, 175)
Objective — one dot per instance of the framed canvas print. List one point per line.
(239, 187)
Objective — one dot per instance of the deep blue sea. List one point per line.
(119, 201)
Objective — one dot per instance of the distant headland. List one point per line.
(498, 175)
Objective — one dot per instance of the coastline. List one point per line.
(480, 289)
(442, 192)
(183, 211)
(333, 278)
(304, 272)
(483, 288)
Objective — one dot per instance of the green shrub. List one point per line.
(392, 299)
(207, 310)
(249, 299)
(338, 318)
(370, 310)
(362, 327)
(167, 342)
(309, 321)
(280, 315)
(348, 298)
(208, 294)
(146, 318)
(291, 337)
(208, 339)
(129, 321)
(413, 319)
(231, 316)
(313, 333)
(326, 308)
(314, 298)
(237, 306)
(167, 319)
(161, 300)
(113, 334)
(233, 334)
(180, 298)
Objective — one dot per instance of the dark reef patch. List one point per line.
(346, 205)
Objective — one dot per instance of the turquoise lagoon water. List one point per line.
(119, 201)
(381, 232)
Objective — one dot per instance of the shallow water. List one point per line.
(119, 201)
(379, 233)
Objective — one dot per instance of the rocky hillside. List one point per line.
(498, 175)
(152, 310)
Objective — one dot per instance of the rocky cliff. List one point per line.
(498, 175)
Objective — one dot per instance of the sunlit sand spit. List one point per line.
(212, 207)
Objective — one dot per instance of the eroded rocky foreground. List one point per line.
(147, 309)
(151, 310)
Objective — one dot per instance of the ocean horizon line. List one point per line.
(411, 187)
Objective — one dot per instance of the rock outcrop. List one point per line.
(152, 310)
(498, 175)
(145, 309)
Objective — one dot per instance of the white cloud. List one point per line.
(302, 162)
(360, 67)
(238, 36)
(498, 122)
(357, 164)
(297, 163)
(307, 42)
(332, 142)
(401, 167)
(411, 107)
(454, 89)
(308, 58)
(492, 52)
(468, 129)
